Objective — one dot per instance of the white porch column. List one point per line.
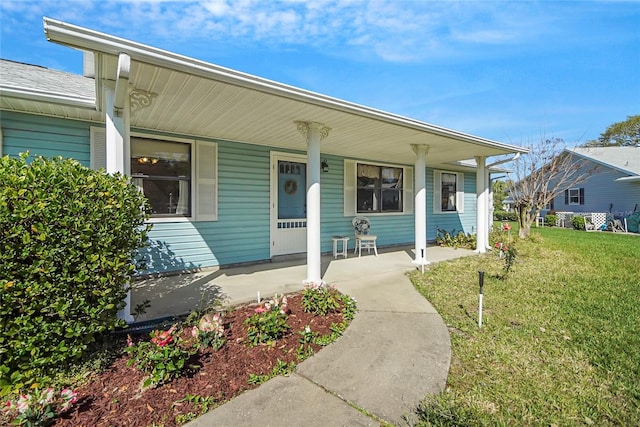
(488, 207)
(420, 204)
(481, 205)
(314, 133)
(117, 135)
(117, 103)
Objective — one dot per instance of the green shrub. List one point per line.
(505, 216)
(459, 240)
(164, 358)
(269, 322)
(320, 300)
(550, 220)
(67, 239)
(578, 222)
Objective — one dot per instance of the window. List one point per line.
(379, 189)
(162, 170)
(448, 192)
(574, 196)
(179, 176)
(180, 179)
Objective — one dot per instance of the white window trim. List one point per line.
(577, 203)
(350, 190)
(98, 160)
(437, 191)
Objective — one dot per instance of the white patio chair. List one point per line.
(364, 240)
(588, 223)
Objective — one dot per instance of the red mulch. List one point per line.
(113, 398)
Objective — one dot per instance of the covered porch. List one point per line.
(179, 294)
(147, 94)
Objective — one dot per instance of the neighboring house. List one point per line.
(613, 186)
(242, 169)
(508, 204)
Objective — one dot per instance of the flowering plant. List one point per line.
(508, 252)
(210, 330)
(306, 339)
(502, 248)
(269, 321)
(40, 407)
(162, 338)
(320, 300)
(163, 357)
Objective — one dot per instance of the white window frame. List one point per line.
(437, 192)
(577, 197)
(192, 186)
(201, 176)
(350, 189)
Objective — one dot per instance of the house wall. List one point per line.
(452, 222)
(602, 193)
(242, 231)
(44, 136)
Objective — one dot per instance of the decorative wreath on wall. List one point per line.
(361, 225)
(290, 187)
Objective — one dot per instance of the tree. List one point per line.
(539, 176)
(500, 192)
(620, 134)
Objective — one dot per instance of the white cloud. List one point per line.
(394, 31)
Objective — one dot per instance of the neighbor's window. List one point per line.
(574, 196)
(162, 170)
(448, 191)
(379, 188)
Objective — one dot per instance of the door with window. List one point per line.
(288, 204)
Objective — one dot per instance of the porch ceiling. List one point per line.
(192, 105)
(197, 98)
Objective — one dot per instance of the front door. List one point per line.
(288, 204)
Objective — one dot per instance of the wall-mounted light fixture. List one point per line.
(148, 160)
(324, 166)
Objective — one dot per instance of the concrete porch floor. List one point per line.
(179, 294)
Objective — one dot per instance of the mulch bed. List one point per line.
(113, 397)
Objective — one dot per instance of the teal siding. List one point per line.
(45, 136)
(468, 219)
(242, 231)
(391, 229)
(452, 222)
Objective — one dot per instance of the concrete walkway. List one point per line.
(395, 351)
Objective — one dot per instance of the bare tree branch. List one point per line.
(542, 174)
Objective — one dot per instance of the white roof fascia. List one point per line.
(90, 40)
(629, 178)
(47, 96)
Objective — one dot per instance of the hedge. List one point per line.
(68, 235)
(505, 216)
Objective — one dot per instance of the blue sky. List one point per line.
(509, 71)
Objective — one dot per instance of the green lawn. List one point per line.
(560, 342)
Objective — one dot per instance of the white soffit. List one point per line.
(193, 97)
